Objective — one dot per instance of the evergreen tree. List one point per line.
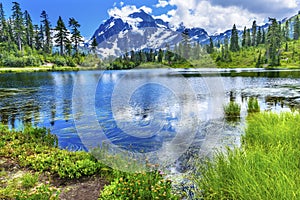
(3, 26)
(94, 45)
(296, 28)
(254, 27)
(10, 29)
(152, 55)
(37, 40)
(225, 54)
(29, 29)
(273, 43)
(263, 39)
(210, 47)
(259, 37)
(248, 38)
(132, 56)
(197, 50)
(160, 56)
(244, 37)
(61, 37)
(76, 37)
(46, 32)
(185, 44)
(287, 31)
(18, 24)
(234, 40)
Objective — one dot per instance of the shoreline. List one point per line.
(4, 70)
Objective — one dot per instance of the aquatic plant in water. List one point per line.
(253, 105)
(232, 110)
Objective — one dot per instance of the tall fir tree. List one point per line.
(3, 26)
(185, 44)
(94, 45)
(259, 36)
(263, 38)
(47, 43)
(61, 37)
(248, 38)
(234, 40)
(287, 30)
(254, 27)
(273, 42)
(296, 28)
(29, 29)
(244, 37)
(76, 37)
(37, 40)
(18, 24)
(160, 56)
(210, 47)
(10, 31)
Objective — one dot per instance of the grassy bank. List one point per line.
(44, 69)
(33, 167)
(267, 166)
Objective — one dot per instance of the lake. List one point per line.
(162, 112)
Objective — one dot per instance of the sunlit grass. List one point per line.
(253, 105)
(266, 167)
(232, 110)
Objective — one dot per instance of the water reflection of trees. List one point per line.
(12, 113)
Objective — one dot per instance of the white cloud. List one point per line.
(124, 11)
(215, 15)
(146, 9)
(220, 15)
(162, 4)
(261, 6)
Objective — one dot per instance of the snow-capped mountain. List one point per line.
(140, 31)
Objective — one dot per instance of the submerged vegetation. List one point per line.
(265, 167)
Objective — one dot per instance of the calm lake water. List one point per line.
(141, 110)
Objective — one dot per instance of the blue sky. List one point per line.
(213, 15)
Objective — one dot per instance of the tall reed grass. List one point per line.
(267, 166)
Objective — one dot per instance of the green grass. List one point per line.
(232, 110)
(36, 151)
(29, 180)
(267, 166)
(253, 105)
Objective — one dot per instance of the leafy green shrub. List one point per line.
(12, 61)
(70, 62)
(37, 148)
(59, 61)
(89, 61)
(32, 61)
(42, 192)
(232, 110)
(253, 105)
(150, 185)
(29, 180)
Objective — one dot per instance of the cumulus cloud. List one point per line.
(220, 15)
(124, 11)
(161, 4)
(215, 15)
(261, 6)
